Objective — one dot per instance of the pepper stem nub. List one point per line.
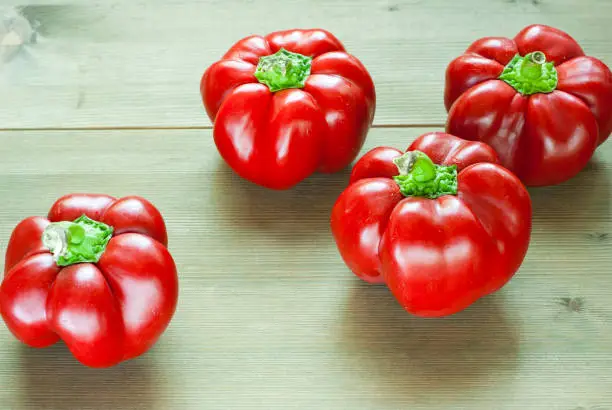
(420, 177)
(530, 74)
(283, 70)
(82, 240)
(537, 57)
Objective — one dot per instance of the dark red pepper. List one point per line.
(536, 99)
(287, 105)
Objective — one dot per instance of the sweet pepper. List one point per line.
(287, 105)
(537, 99)
(439, 233)
(95, 273)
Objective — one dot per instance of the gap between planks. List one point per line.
(179, 128)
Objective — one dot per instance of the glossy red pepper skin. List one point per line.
(277, 139)
(105, 312)
(437, 256)
(544, 138)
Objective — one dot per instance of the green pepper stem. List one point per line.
(532, 66)
(79, 241)
(420, 177)
(283, 70)
(530, 74)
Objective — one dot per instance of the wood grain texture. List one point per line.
(138, 63)
(270, 318)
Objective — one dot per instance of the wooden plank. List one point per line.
(123, 64)
(269, 317)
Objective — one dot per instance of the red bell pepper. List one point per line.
(440, 234)
(287, 105)
(536, 99)
(94, 273)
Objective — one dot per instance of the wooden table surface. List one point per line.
(104, 97)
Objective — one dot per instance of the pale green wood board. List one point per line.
(139, 63)
(269, 316)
